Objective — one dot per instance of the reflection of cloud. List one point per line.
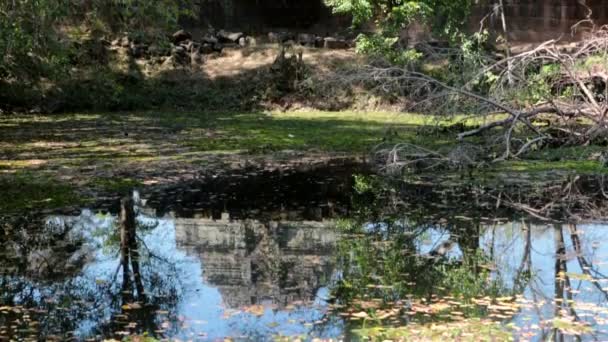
(251, 262)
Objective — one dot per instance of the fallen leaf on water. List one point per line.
(361, 314)
(257, 310)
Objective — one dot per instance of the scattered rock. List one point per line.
(122, 42)
(196, 58)
(335, 43)
(218, 47)
(229, 37)
(179, 55)
(273, 37)
(192, 46)
(181, 36)
(284, 37)
(251, 41)
(155, 50)
(209, 40)
(319, 42)
(178, 51)
(306, 39)
(105, 42)
(138, 50)
(206, 49)
(281, 37)
(168, 63)
(242, 42)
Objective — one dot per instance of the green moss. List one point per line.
(25, 191)
(532, 166)
(89, 144)
(122, 185)
(257, 133)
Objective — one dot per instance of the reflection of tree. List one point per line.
(87, 301)
(134, 308)
(525, 267)
(129, 251)
(384, 268)
(586, 266)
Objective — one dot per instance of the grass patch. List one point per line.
(26, 191)
(122, 186)
(347, 131)
(92, 148)
(533, 166)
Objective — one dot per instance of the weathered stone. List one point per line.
(218, 47)
(196, 58)
(155, 50)
(138, 50)
(335, 43)
(281, 37)
(206, 49)
(178, 50)
(319, 42)
(306, 39)
(104, 42)
(168, 63)
(273, 37)
(181, 36)
(286, 36)
(251, 41)
(122, 42)
(209, 39)
(179, 55)
(192, 46)
(242, 42)
(229, 37)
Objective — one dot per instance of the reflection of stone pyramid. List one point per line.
(251, 262)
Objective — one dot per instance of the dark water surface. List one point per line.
(310, 253)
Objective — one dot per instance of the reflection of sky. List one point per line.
(201, 313)
(203, 316)
(508, 241)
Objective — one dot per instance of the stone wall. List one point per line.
(251, 262)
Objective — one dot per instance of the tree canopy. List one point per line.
(392, 17)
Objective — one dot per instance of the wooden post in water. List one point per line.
(129, 252)
(127, 227)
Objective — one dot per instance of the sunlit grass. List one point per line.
(60, 144)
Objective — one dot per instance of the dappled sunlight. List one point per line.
(84, 148)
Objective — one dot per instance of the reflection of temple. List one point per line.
(251, 262)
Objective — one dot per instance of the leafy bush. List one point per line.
(394, 17)
(40, 40)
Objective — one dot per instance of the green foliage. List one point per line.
(392, 17)
(363, 184)
(471, 279)
(28, 39)
(139, 18)
(540, 85)
(37, 36)
(377, 45)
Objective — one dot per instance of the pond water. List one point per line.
(309, 253)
